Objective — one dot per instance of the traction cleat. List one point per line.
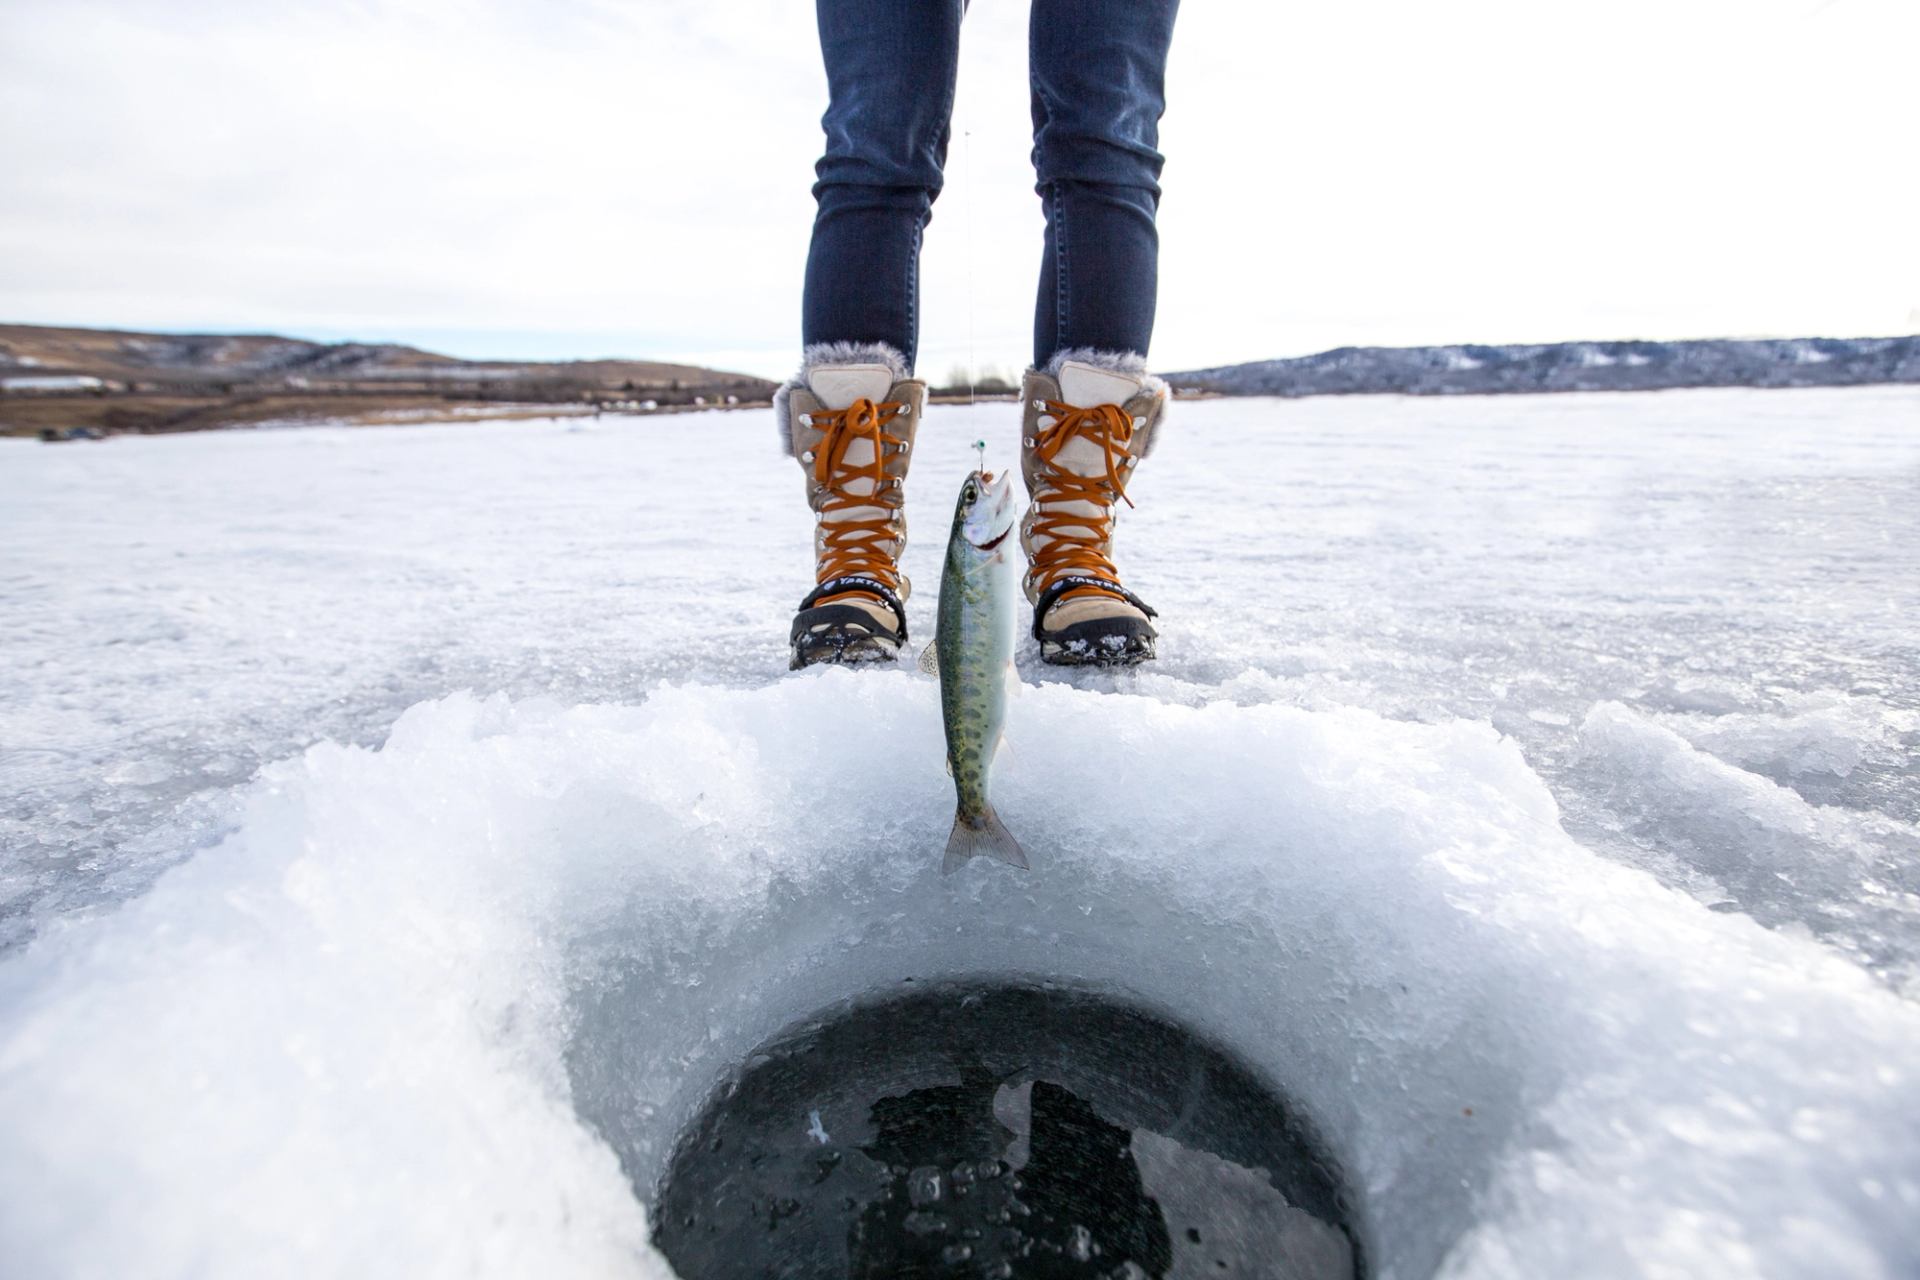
(847, 631)
(1087, 423)
(849, 419)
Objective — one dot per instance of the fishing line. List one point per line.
(966, 204)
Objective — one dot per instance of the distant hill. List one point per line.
(1569, 366)
(125, 356)
(59, 382)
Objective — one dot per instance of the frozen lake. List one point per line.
(1528, 786)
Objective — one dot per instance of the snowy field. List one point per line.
(402, 829)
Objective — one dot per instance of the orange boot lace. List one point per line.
(856, 548)
(1076, 542)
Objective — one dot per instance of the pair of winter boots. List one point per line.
(850, 418)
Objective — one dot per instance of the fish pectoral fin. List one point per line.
(930, 662)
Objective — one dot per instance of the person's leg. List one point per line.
(891, 66)
(849, 416)
(1097, 70)
(1090, 411)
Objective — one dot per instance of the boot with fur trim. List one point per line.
(849, 418)
(1087, 422)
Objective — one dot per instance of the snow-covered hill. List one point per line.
(176, 359)
(1570, 366)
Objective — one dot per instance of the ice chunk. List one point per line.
(1817, 734)
(1852, 877)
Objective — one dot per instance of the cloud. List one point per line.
(1389, 172)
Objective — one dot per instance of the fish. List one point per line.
(972, 651)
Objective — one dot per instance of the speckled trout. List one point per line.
(973, 651)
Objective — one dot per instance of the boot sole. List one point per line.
(1131, 653)
(1104, 642)
(840, 650)
(843, 659)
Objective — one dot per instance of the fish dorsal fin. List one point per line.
(930, 659)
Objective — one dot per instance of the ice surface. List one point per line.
(1528, 787)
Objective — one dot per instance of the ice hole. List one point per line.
(972, 1129)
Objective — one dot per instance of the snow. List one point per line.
(51, 382)
(1527, 788)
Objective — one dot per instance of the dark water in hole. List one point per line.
(999, 1132)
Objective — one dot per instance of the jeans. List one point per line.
(1097, 72)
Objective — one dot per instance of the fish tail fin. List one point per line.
(982, 835)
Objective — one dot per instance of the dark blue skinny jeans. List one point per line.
(1097, 70)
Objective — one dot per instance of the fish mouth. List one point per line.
(997, 503)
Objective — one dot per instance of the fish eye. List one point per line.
(969, 493)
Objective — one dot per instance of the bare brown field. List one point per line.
(63, 416)
(60, 383)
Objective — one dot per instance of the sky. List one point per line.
(586, 178)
